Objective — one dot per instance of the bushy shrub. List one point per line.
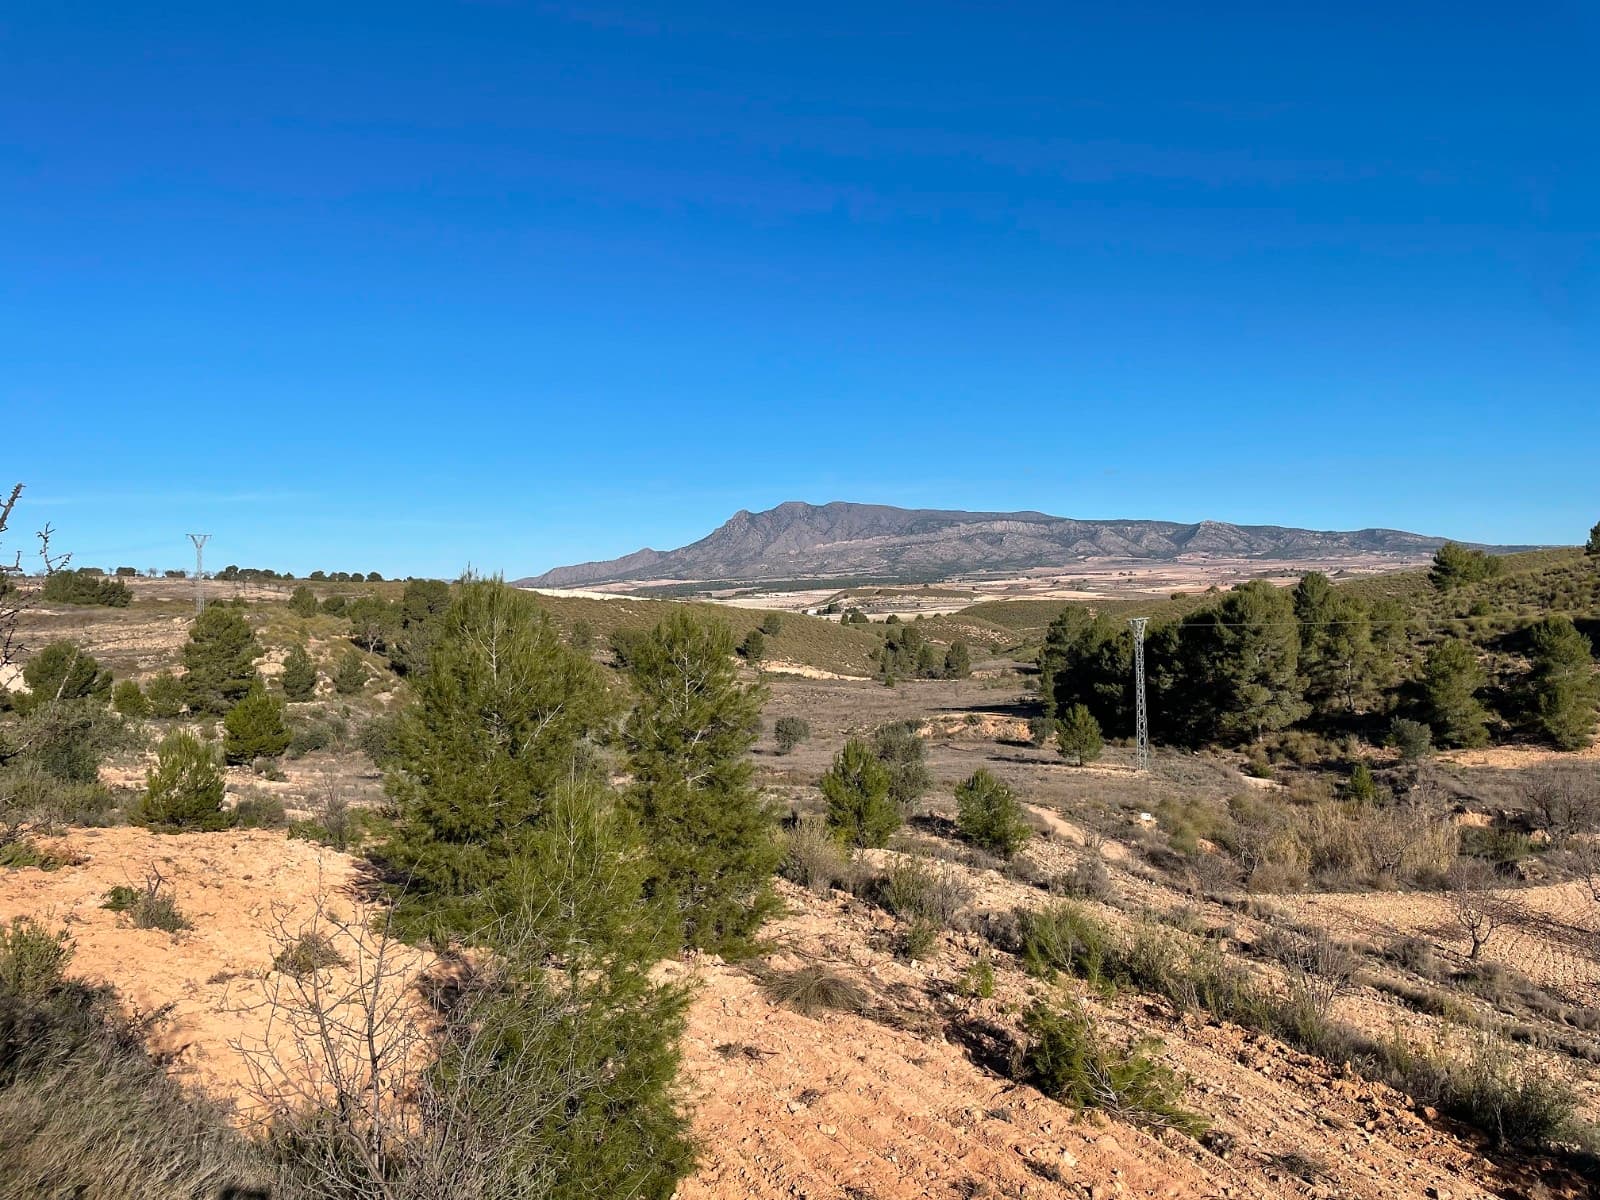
(789, 732)
(1088, 880)
(1063, 938)
(378, 739)
(128, 700)
(1041, 730)
(165, 693)
(1485, 1084)
(303, 602)
(255, 728)
(919, 941)
(754, 647)
(259, 811)
(87, 1112)
(860, 810)
(69, 739)
(905, 756)
(308, 953)
(350, 675)
(922, 889)
(812, 857)
(32, 958)
(184, 789)
(989, 814)
(1414, 954)
(311, 732)
(1413, 739)
(811, 989)
(1069, 1060)
(150, 907)
(31, 797)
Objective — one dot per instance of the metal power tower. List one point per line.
(199, 540)
(1141, 713)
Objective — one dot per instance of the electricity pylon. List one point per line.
(1141, 713)
(199, 540)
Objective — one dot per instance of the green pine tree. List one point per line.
(254, 728)
(1078, 736)
(754, 647)
(904, 755)
(1451, 679)
(989, 815)
(500, 717)
(1240, 663)
(1456, 566)
(299, 677)
(184, 789)
(350, 672)
(860, 810)
(62, 671)
(221, 658)
(1563, 685)
(303, 602)
(563, 1079)
(422, 605)
(957, 661)
(128, 700)
(165, 691)
(712, 838)
(1337, 657)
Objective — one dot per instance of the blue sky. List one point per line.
(403, 287)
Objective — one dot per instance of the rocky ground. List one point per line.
(890, 1102)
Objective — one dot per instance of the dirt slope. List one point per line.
(888, 1104)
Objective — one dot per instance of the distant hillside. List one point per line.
(798, 540)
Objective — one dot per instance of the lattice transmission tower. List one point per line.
(199, 540)
(1141, 712)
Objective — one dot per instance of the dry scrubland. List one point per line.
(874, 1047)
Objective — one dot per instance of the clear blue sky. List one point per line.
(399, 287)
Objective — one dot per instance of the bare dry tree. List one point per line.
(1320, 968)
(14, 599)
(338, 1060)
(402, 1074)
(1565, 797)
(1478, 906)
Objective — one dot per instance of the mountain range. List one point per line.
(796, 540)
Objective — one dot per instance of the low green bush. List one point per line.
(128, 700)
(990, 816)
(1068, 1059)
(308, 953)
(789, 732)
(184, 789)
(260, 811)
(32, 958)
